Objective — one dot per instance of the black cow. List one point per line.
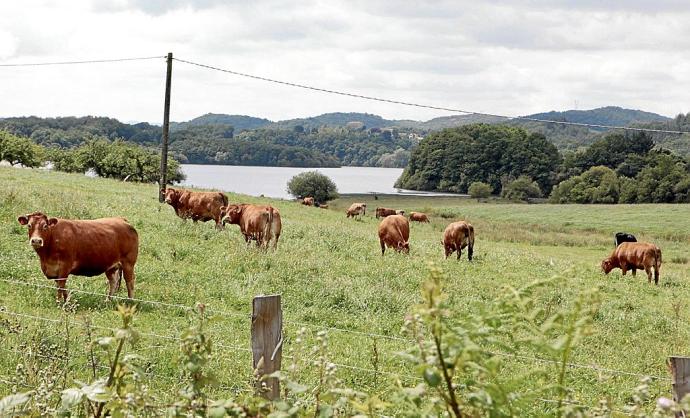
(623, 237)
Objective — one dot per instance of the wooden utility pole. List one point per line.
(680, 369)
(267, 343)
(166, 129)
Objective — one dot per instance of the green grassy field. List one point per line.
(330, 273)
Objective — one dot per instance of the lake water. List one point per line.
(272, 181)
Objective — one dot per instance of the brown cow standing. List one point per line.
(257, 222)
(84, 248)
(419, 217)
(457, 236)
(308, 201)
(356, 209)
(383, 212)
(394, 232)
(633, 256)
(198, 206)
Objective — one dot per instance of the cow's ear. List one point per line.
(23, 220)
(223, 208)
(52, 221)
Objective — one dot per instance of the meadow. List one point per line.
(331, 275)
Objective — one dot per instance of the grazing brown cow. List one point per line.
(257, 222)
(394, 232)
(457, 236)
(84, 248)
(419, 217)
(308, 201)
(633, 256)
(323, 206)
(383, 212)
(197, 206)
(356, 209)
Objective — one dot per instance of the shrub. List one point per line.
(479, 190)
(18, 150)
(596, 185)
(314, 184)
(522, 188)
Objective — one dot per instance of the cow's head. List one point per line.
(171, 196)
(230, 214)
(607, 265)
(39, 228)
(400, 212)
(404, 247)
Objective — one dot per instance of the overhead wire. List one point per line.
(419, 105)
(95, 61)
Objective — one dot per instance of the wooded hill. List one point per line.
(328, 140)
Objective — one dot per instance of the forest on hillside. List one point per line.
(328, 140)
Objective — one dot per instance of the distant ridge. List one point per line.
(609, 115)
(238, 122)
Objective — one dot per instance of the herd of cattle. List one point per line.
(111, 245)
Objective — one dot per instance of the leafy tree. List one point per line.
(18, 150)
(522, 188)
(596, 185)
(314, 184)
(398, 159)
(613, 150)
(452, 159)
(479, 190)
(119, 159)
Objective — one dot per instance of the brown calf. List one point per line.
(456, 237)
(633, 256)
(257, 222)
(197, 206)
(419, 217)
(308, 201)
(394, 232)
(84, 248)
(356, 209)
(383, 212)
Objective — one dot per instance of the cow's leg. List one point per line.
(113, 276)
(383, 247)
(459, 253)
(128, 273)
(634, 271)
(648, 270)
(62, 292)
(470, 249)
(624, 268)
(275, 243)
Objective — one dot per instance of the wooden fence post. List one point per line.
(267, 343)
(680, 369)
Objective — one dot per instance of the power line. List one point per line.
(40, 64)
(425, 106)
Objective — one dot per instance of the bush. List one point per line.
(522, 188)
(314, 184)
(18, 150)
(596, 185)
(479, 190)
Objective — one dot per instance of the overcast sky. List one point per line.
(511, 57)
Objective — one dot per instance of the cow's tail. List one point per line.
(268, 228)
(470, 242)
(657, 254)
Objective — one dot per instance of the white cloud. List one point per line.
(514, 57)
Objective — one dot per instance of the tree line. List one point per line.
(110, 159)
(500, 159)
(220, 143)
